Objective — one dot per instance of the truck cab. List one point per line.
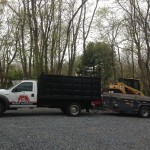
(21, 95)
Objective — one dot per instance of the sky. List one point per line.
(93, 34)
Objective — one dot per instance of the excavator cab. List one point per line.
(127, 86)
(134, 83)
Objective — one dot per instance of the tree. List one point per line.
(46, 30)
(86, 27)
(97, 61)
(137, 20)
(109, 26)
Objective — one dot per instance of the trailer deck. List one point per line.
(126, 103)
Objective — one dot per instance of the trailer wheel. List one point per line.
(1, 109)
(74, 109)
(144, 112)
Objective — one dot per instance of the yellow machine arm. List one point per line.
(120, 87)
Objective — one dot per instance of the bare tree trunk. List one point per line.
(120, 63)
(59, 69)
(132, 50)
(38, 60)
(113, 62)
(86, 33)
(73, 47)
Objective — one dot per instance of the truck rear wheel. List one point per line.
(1, 109)
(144, 112)
(74, 109)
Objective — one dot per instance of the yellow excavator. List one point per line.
(127, 86)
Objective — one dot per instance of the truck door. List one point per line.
(23, 94)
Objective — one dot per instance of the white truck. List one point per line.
(70, 94)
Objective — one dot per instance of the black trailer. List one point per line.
(69, 93)
(127, 103)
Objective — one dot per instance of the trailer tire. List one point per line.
(2, 108)
(74, 109)
(144, 112)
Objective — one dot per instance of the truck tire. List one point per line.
(144, 112)
(74, 109)
(1, 109)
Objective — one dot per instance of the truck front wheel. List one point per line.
(144, 112)
(1, 109)
(74, 109)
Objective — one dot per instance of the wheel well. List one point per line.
(144, 106)
(82, 104)
(2, 102)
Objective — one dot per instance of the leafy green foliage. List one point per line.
(15, 74)
(97, 61)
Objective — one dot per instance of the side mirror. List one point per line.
(14, 90)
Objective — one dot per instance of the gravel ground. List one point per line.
(49, 129)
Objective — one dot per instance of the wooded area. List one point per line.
(55, 37)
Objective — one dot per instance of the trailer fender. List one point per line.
(4, 100)
(141, 105)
